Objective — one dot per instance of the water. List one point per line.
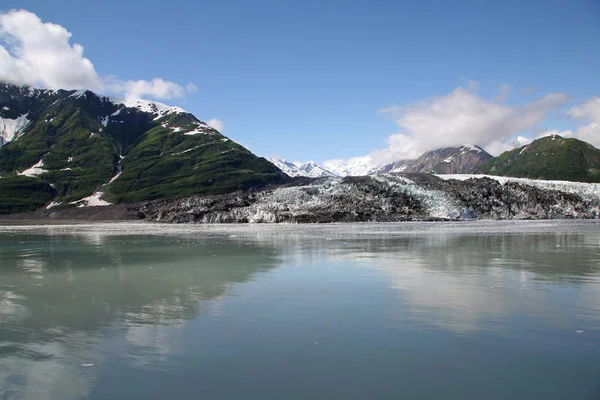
(483, 310)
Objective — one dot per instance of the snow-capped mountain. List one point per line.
(451, 160)
(22, 105)
(396, 167)
(64, 148)
(357, 166)
(298, 168)
(447, 160)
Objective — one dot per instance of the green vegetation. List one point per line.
(553, 158)
(20, 194)
(176, 165)
(77, 155)
(81, 140)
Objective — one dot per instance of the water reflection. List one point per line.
(62, 299)
(461, 282)
(77, 300)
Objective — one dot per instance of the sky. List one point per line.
(328, 80)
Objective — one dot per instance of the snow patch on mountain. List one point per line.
(53, 204)
(11, 129)
(92, 201)
(147, 106)
(471, 147)
(197, 131)
(34, 170)
(399, 169)
(78, 94)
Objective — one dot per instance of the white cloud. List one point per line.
(590, 112)
(216, 124)
(157, 88)
(40, 53)
(500, 146)
(461, 117)
(37, 53)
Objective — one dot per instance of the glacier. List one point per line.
(388, 198)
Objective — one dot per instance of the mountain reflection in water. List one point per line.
(140, 311)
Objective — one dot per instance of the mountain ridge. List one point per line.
(74, 148)
(551, 157)
(309, 169)
(576, 161)
(89, 148)
(451, 160)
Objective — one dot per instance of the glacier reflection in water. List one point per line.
(414, 310)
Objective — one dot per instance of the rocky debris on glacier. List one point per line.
(387, 198)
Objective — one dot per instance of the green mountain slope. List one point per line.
(79, 144)
(552, 157)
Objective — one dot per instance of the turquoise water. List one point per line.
(490, 310)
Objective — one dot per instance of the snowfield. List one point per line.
(10, 129)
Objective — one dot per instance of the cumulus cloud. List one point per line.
(464, 117)
(216, 124)
(461, 117)
(157, 88)
(500, 146)
(37, 53)
(589, 111)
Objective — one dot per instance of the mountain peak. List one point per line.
(550, 157)
(300, 168)
(82, 148)
(147, 106)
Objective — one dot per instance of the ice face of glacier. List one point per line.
(389, 198)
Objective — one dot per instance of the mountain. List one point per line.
(78, 148)
(297, 168)
(357, 166)
(551, 157)
(451, 160)
(446, 160)
(396, 167)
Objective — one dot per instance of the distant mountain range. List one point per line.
(67, 148)
(448, 160)
(552, 157)
(309, 168)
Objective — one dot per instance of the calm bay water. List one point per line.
(494, 310)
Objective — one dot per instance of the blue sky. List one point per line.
(307, 79)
